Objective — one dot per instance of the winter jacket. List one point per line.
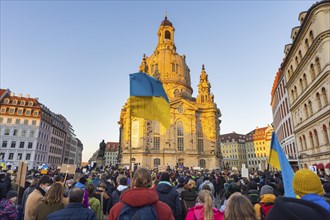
(83, 187)
(73, 211)
(43, 209)
(138, 197)
(318, 200)
(188, 200)
(7, 210)
(197, 213)
(264, 199)
(26, 194)
(95, 205)
(170, 196)
(106, 200)
(32, 203)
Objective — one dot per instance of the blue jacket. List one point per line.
(318, 200)
(168, 194)
(73, 211)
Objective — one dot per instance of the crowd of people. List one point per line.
(177, 193)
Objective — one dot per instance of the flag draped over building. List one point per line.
(148, 99)
(278, 160)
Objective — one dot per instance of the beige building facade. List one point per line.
(306, 68)
(193, 138)
(233, 150)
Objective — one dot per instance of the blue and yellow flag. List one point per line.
(148, 99)
(278, 160)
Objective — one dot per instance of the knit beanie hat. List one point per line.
(286, 208)
(123, 181)
(230, 189)
(266, 189)
(165, 177)
(11, 194)
(181, 180)
(307, 182)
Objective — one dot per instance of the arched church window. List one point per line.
(168, 35)
(176, 93)
(156, 162)
(173, 67)
(180, 136)
(202, 163)
(156, 136)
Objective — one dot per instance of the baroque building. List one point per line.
(257, 144)
(306, 69)
(282, 119)
(111, 154)
(233, 150)
(29, 131)
(193, 138)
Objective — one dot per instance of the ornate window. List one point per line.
(296, 59)
(306, 44)
(30, 103)
(311, 36)
(318, 99)
(35, 113)
(15, 102)
(305, 81)
(316, 138)
(306, 111)
(202, 163)
(310, 107)
(324, 96)
(180, 136)
(6, 101)
(325, 135)
(300, 54)
(11, 111)
(22, 103)
(28, 112)
(311, 138)
(168, 35)
(156, 162)
(176, 93)
(156, 136)
(312, 72)
(3, 109)
(318, 65)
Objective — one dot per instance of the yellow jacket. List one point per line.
(266, 198)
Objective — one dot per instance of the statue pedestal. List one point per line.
(100, 161)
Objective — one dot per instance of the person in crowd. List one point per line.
(179, 187)
(75, 210)
(33, 183)
(188, 196)
(326, 187)
(207, 182)
(267, 199)
(82, 185)
(68, 187)
(239, 207)
(253, 193)
(286, 208)
(229, 190)
(95, 180)
(102, 195)
(58, 179)
(115, 196)
(200, 180)
(94, 203)
(141, 196)
(204, 209)
(36, 196)
(3, 189)
(221, 185)
(168, 194)
(52, 201)
(307, 185)
(8, 209)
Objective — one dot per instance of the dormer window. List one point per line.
(22, 103)
(6, 101)
(30, 104)
(15, 102)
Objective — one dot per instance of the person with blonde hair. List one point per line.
(52, 201)
(239, 207)
(188, 197)
(204, 209)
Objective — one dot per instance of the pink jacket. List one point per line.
(196, 213)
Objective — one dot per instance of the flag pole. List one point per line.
(130, 145)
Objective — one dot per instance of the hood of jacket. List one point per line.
(164, 188)
(189, 195)
(79, 185)
(318, 200)
(267, 198)
(145, 197)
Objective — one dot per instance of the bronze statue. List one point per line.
(102, 149)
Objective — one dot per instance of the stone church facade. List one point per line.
(193, 139)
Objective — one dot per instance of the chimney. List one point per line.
(12, 94)
(20, 95)
(27, 95)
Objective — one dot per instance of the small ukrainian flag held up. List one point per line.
(148, 99)
(278, 160)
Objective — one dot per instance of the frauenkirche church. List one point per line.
(193, 138)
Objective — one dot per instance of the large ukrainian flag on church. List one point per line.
(148, 99)
(278, 160)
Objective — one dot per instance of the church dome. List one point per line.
(166, 22)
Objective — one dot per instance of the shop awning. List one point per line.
(327, 166)
(320, 166)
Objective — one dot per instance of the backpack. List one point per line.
(147, 212)
(264, 209)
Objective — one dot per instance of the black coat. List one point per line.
(73, 211)
(171, 197)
